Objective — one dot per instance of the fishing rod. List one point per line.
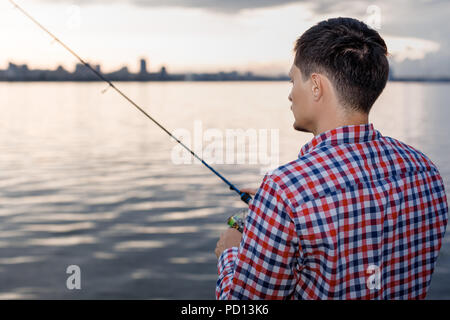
(244, 195)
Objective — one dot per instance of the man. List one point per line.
(358, 215)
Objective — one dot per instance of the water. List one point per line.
(87, 180)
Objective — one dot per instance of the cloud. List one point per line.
(398, 17)
(402, 48)
(224, 6)
(355, 7)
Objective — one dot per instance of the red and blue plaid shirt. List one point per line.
(357, 216)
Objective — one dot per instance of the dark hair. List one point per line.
(352, 55)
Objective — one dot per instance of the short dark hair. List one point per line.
(351, 54)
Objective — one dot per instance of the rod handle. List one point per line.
(246, 197)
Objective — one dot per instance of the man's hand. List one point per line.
(230, 238)
(250, 191)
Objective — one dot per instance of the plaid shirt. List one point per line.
(357, 216)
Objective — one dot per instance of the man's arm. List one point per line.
(262, 267)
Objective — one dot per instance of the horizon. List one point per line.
(247, 74)
(119, 66)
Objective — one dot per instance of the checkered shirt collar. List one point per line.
(341, 135)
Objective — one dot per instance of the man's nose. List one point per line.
(289, 97)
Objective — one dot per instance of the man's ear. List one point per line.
(316, 86)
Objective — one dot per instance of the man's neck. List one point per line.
(355, 118)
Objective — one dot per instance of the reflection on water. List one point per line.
(198, 258)
(136, 229)
(104, 255)
(139, 244)
(42, 216)
(87, 180)
(52, 228)
(61, 241)
(188, 214)
(19, 259)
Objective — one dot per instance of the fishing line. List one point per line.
(244, 195)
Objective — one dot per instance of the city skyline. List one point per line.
(17, 72)
(22, 72)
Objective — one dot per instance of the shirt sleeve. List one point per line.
(263, 265)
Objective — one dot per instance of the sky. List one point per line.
(215, 35)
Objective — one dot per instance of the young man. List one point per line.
(358, 215)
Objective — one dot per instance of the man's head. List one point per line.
(340, 69)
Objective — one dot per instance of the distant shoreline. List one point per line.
(22, 73)
(217, 80)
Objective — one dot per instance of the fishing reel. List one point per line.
(237, 221)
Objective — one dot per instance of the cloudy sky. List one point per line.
(213, 35)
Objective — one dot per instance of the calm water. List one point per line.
(87, 180)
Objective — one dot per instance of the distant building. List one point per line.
(80, 68)
(163, 73)
(61, 74)
(16, 72)
(82, 73)
(120, 75)
(143, 68)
